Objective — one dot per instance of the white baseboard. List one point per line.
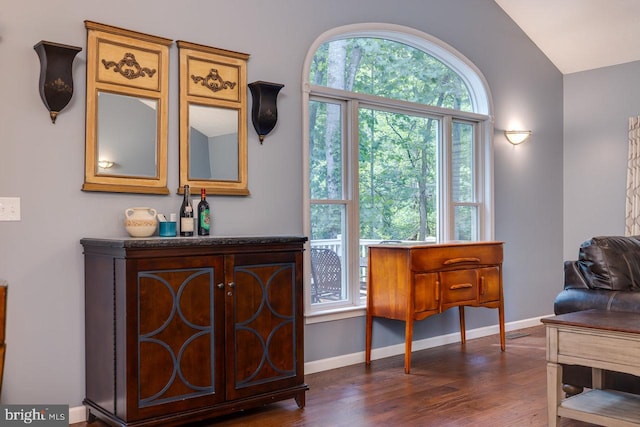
(78, 414)
(394, 350)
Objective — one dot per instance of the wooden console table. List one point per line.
(412, 281)
(602, 340)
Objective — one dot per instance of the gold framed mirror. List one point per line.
(127, 111)
(213, 119)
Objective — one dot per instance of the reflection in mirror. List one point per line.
(213, 143)
(131, 151)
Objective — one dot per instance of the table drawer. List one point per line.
(439, 257)
(459, 286)
(602, 349)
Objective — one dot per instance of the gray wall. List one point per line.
(43, 164)
(597, 108)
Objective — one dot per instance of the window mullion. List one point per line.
(446, 196)
(412, 107)
(353, 257)
(477, 179)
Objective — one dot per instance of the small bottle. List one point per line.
(186, 214)
(204, 214)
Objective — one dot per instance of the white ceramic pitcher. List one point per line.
(140, 222)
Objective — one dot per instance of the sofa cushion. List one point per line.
(611, 263)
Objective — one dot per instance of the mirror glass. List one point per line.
(129, 150)
(213, 143)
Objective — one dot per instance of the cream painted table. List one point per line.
(602, 340)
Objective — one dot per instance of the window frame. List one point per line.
(351, 102)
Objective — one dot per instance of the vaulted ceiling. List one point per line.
(579, 35)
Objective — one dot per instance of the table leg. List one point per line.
(597, 378)
(463, 330)
(554, 392)
(408, 339)
(501, 322)
(369, 330)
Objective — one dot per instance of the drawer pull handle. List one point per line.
(437, 290)
(461, 260)
(460, 286)
(220, 285)
(482, 285)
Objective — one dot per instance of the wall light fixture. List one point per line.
(264, 111)
(517, 136)
(56, 80)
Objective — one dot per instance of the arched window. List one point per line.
(397, 136)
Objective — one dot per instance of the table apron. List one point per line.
(612, 351)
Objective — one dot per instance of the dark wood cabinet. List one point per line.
(185, 329)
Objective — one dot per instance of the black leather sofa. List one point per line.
(606, 276)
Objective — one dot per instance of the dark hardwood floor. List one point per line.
(451, 385)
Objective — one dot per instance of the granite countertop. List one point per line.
(158, 242)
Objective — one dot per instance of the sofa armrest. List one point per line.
(571, 300)
(573, 278)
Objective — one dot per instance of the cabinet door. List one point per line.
(175, 334)
(489, 284)
(427, 292)
(264, 322)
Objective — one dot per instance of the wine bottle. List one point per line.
(186, 214)
(204, 214)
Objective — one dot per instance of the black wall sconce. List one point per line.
(56, 80)
(264, 112)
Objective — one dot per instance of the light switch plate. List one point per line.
(9, 208)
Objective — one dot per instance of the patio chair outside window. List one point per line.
(326, 272)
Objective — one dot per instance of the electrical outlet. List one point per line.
(9, 208)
